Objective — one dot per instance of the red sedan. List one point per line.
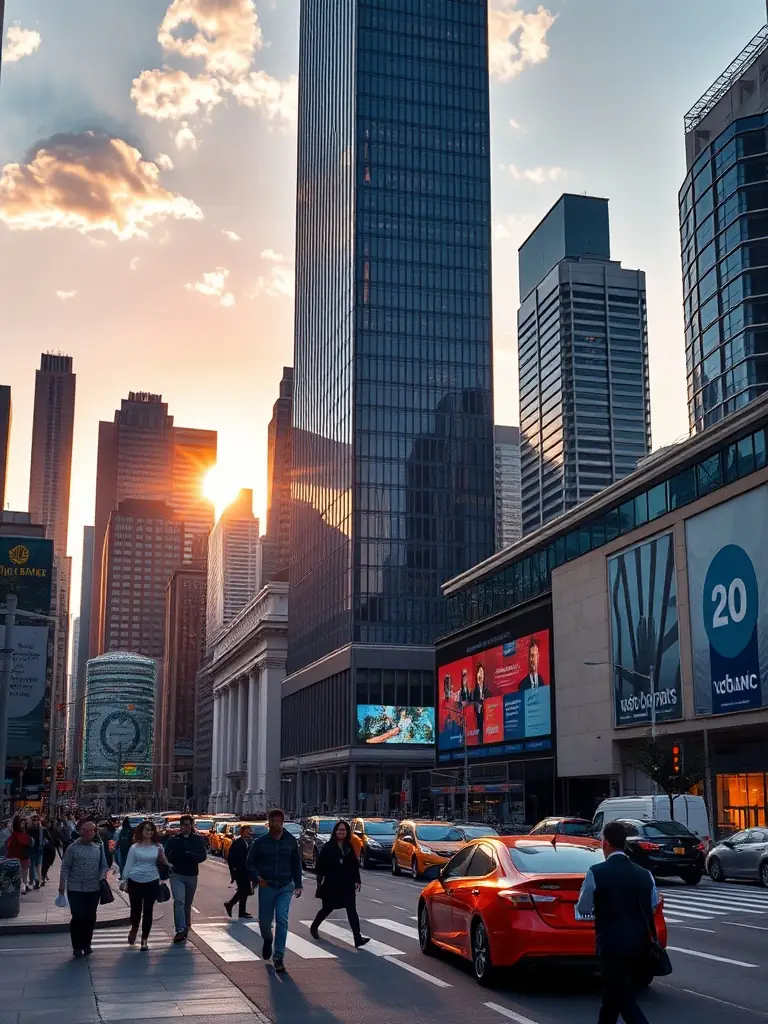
(511, 900)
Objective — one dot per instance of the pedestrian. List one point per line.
(622, 896)
(141, 876)
(274, 866)
(338, 881)
(49, 853)
(107, 831)
(83, 867)
(20, 846)
(185, 852)
(237, 858)
(36, 835)
(123, 842)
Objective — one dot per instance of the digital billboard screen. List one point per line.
(500, 697)
(381, 723)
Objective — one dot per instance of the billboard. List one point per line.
(26, 701)
(119, 718)
(499, 698)
(645, 636)
(380, 723)
(26, 569)
(727, 554)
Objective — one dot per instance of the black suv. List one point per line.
(665, 848)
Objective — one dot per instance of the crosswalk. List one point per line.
(724, 903)
(114, 938)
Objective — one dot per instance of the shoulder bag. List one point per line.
(658, 958)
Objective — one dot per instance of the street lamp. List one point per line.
(640, 675)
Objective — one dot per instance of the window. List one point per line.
(553, 858)
(483, 862)
(659, 829)
(455, 868)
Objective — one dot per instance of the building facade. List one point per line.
(585, 417)
(392, 415)
(506, 472)
(724, 239)
(234, 564)
(6, 417)
(279, 479)
(75, 719)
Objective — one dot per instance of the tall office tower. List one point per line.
(144, 543)
(509, 509)
(585, 416)
(51, 464)
(77, 710)
(142, 455)
(279, 478)
(6, 416)
(184, 652)
(234, 564)
(72, 758)
(724, 239)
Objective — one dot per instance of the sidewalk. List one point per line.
(38, 912)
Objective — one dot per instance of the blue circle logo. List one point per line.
(730, 600)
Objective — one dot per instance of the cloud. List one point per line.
(513, 123)
(20, 42)
(516, 227)
(516, 38)
(278, 100)
(134, 264)
(231, 235)
(164, 162)
(65, 296)
(279, 282)
(171, 95)
(222, 33)
(185, 137)
(214, 283)
(537, 175)
(271, 256)
(88, 182)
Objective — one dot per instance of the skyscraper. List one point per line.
(392, 415)
(51, 464)
(194, 453)
(234, 564)
(279, 477)
(6, 415)
(724, 239)
(79, 664)
(509, 510)
(585, 417)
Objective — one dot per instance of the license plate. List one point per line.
(679, 850)
(582, 917)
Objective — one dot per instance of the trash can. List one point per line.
(10, 887)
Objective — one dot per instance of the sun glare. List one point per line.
(221, 486)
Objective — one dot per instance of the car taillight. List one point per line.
(702, 847)
(524, 900)
(649, 846)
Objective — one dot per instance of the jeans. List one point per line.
(275, 904)
(143, 896)
(83, 907)
(183, 888)
(620, 991)
(35, 867)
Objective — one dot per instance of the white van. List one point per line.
(690, 811)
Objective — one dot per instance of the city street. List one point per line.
(717, 939)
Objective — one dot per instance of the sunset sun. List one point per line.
(221, 486)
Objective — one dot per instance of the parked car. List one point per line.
(511, 901)
(316, 834)
(203, 827)
(476, 830)
(372, 840)
(564, 826)
(232, 831)
(690, 811)
(422, 847)
(666, 848)
(217, 832)
(743, 855)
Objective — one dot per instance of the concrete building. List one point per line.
(6, 417)
(234, 564)
(279, 480)
(723, 239)
(245, 668)
(75, 718)
(506, 471)
(585, 417)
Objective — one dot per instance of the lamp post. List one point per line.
(640, 675)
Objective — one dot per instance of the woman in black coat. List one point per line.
(338, 880)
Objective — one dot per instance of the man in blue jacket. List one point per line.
(274, 866)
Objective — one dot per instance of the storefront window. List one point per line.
(741, 802)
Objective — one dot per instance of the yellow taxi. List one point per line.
(232, 831)
(372, 840)
(217, 831)
(423, 847)
(203, 828)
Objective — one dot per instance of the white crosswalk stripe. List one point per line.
(301, 947)
(395, 926)
(345, 935)
(714, 903)
(221, 941)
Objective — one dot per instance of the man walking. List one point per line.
(622, 897)
(185, 853)
(237, 858)
(274, 866)
(37, 835)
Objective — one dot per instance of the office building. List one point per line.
(392, 411)
(142, 455)
(6, 416)
(506, 470)
(585, 417)
(234, 564)
(144, 543)
(279, 480)
(724, 239)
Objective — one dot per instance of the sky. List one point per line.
(147, 196)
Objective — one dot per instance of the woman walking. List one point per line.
(49, 853)
(338, 880)
(142, 873)
(20, 846)
(83, 867)
(124, 839)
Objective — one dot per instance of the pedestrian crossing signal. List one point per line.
(676, 759)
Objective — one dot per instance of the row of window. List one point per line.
(416, 137)
(424, 160)
(406, 112)
(457, 327)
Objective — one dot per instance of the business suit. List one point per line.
(478, 696)
(531, 682)
(622, 897)
(237, 859)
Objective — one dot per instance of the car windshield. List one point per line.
(326, 824)
(135, 819)
(658, 829)
(292, 827)
(380, 828)
(576, 828)
(203, 826)
(478, 831)
(439, 834)
(221, 826)
(554, 858)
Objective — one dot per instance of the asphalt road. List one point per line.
(717, 938)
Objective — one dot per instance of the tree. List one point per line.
(656, 759)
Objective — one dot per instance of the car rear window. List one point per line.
(478, 831)
(439, 834)
(666, 828)
(554, 858)
(203, 826)
(380, 828)
(326, 824)
(576, 828)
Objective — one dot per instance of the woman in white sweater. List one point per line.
(141, 872)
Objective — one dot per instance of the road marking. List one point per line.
(395, 926)
(301, 947)
(710, 956)
(693, 928)
(752, 927)
(693, 917)
(221, 942)
(374, 947)
(404, 909)
(196, 911)
(509, 1014)
(419, 974)
(372, 900)
(713, 999)
(707, 905)
(414, 917)
(683, 909)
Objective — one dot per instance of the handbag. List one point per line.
(164, 894)
(105, 892)
(658, 957)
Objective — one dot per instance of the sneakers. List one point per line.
(279, 965)
(266, 951)
(361, 940)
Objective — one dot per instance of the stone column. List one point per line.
(272, 675)
(299, 790)
(352, 789)
(339, 790)
(221, 799)
(215, 749)
(251, 792)
(230, 759)
(242, 722)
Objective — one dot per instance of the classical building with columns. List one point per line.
(245, 669)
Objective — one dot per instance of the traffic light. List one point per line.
(677, 759)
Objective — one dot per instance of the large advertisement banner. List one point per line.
(26, 570)
(501, 695)
(380, 723)
(26, 701)
(727, 552)
(645, 636)
(118, 739)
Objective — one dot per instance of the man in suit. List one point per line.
(622, 896)
(533, 680)
(237, 859)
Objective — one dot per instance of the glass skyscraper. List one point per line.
(392, 420)
(724, 239)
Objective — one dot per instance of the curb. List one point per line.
(38, 928)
